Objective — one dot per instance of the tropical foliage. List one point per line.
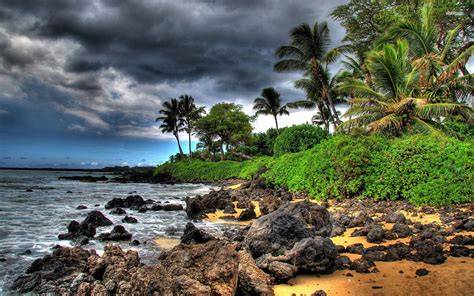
(408, 130)
(298, 138)
(270, 104)
(411, 88)
(309, 52)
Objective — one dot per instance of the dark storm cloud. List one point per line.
(221, 49)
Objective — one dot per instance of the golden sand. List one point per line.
(346, 239)
(233, 187)
(455, 277)
(218, 216)
(166, 242)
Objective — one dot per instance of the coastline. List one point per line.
(246, 194)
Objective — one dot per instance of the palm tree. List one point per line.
(189, 114)
(171, 121)
(435, 56)
(270, 104)
(314, 97)
(397, 99)
(309, 51)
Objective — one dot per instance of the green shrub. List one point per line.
(339, 166)
(250, 167)
(424, 170)
(420, 169)
(298, 138)
(335, 168)
(198, 170)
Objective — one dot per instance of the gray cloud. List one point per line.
(109, 64)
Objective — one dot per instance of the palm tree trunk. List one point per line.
(189, 144)
(179, 144)
(276, 123)
(325, 91)
(334, 111)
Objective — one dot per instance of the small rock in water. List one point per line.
(118, 211)
(117, 234)
(135, 243)
(97, 219)
(27, 252)
(81, 207)
(29, 190)
(172, 207)
(422, 272)
(129, 219)
(69, 191)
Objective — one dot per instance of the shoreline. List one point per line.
(263, 201)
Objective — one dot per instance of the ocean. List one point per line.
(31, 221)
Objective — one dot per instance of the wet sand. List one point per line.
(166, 242)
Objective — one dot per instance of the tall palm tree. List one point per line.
(396, 101)
(189, 114)
(314, 97)
(171, 121)
(309, 51)
(270, 104)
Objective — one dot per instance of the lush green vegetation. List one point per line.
(408, 132)
(421, 169)
(298, 138)
(206, 171)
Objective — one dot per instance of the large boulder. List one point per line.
(45, 275)
(252, 280)
(197, 207)
(314, 255)
(192, 234)
(213, 264)
(280, 230)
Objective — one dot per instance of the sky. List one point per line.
(81, 82)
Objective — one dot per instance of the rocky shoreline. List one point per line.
(278, 236)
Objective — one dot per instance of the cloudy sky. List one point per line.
(81, 82)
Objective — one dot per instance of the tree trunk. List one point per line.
(334, 111)
(179, 144)
(325, 92)
(222, 151)
(189, 144)
(276, 124)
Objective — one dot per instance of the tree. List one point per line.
(366, 21)
(226, 124)
(189, 114)
(397, 99)
(171, 121)
(315, 98)
(308, 51)
(270, 104)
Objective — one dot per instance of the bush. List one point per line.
(206, 171)
(298, 138)
(339, 165)
(424, 170)
(335, 168)
(420, 169)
